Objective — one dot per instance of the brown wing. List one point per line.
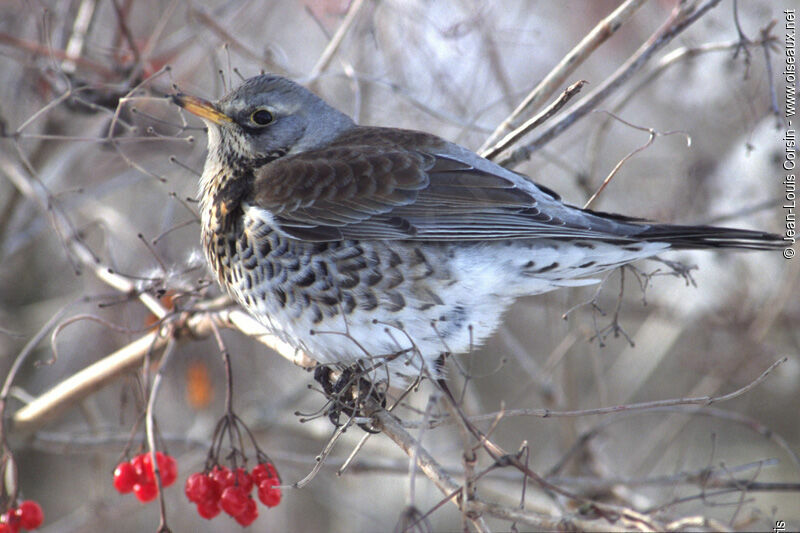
(377, 183)
(315, 194)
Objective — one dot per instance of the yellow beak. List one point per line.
(202, 108)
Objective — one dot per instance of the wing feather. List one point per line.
(378, 183)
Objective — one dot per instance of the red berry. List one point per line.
(268, 493)
(125, 477)
(259, 473)
(208, 509)
(139, 467)
(233, 500)
(194, 486)
(30, 514)
(223, 476)
(243, 479)
(146, 491)
(168, 467)
(263, 471)
(147, 466)
(249, 515)
(201, 488)
(5, 528)
(10, 520)
(172, 467)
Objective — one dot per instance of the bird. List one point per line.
(384, 248)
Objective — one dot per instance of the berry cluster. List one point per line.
(28, 515)
(222, 489)
(139, 476)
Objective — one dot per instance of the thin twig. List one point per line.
(534, 122)
(44, 51)
(51, 404)
(447, 485)
(320, 459)
(672, 58)
(150, 430)
(653, 134)
(678, 21)
(336, 40)
(630, 407)
(558, 76)
(33, 189)
(225, 36)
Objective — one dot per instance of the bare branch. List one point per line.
(534, 122)
(558, 76)
(51, 404)
(336, 40)
(682, 18)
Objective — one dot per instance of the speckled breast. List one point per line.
(311, 287)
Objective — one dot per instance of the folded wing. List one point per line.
(392, 184)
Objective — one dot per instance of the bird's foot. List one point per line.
(349, 392)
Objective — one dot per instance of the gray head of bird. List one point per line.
(264, 118)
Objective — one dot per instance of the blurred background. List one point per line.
(82, 107)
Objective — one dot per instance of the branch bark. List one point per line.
(681, 18)
(557, 77)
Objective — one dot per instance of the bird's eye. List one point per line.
(261, 117)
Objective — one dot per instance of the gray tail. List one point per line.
(693, 237)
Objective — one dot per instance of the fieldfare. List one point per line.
(385, 247)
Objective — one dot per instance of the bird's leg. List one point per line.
(348, 392)
(367, 390)
(344, 380)
(335, 389)
(322, 375)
